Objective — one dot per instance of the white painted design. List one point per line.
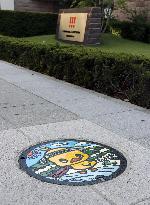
(45, 169)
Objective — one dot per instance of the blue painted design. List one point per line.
(72, 162)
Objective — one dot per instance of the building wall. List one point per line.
(139, 5)
(36, 5)
(7, 4)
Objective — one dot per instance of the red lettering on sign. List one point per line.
(72, 21)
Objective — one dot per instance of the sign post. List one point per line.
(79, 25)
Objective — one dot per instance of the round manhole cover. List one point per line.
(72, 162)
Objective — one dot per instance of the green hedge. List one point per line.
(122, 76)
(23, 24)
(137, 31)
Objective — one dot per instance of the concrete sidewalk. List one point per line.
(36, 108)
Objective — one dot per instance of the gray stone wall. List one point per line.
(36, 5)
(139, 5)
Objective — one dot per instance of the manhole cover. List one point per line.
(72, 162)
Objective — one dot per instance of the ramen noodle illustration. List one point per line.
(72, 162)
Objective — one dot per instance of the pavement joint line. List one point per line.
(140, 200)
(67, 83)
(105, 114)
(40, 97)
(14, 124)
(6, 120)
(31, 126)
(103, 196)
(24, 105)
(113, 113)
(129, 137)
(35, 124)
(47, 123)
(77, 120)
(109, 98)
(144, 137)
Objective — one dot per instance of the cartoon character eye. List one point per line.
(63, 160)
(78, 155)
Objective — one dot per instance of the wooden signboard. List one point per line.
(79, 25)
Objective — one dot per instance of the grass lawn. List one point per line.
(109, 43)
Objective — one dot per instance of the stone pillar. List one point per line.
(93, 27)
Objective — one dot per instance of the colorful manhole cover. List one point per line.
(72, 162)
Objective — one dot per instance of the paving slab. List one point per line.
(134, 123)
(129, 187)
(83, 104)
(73, 98)
(11, 95)
(21, 108)
(33, 114)
(4, 124)
(11, 74)
(120, 117)
(18, 188)
(143, 202)
(29, 98)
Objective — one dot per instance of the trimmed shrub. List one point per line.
(147, 33)
(122, 76)
(23, 24)
(135, 30)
